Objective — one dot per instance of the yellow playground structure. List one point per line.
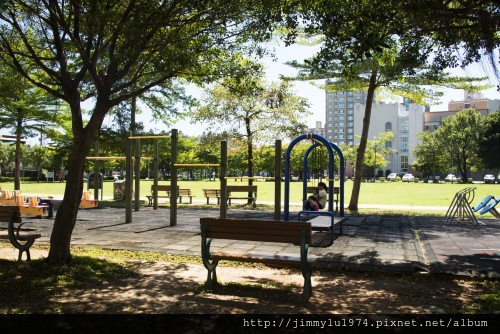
(87, 202)
(30, 209)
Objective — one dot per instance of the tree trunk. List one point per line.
(353, 204)
(17, 163)
(64, 223)
(250, 158)
(65, 220)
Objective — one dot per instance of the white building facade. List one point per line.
(344, 123)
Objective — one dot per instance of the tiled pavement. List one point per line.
(377, 243)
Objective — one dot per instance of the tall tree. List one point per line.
(39, 157)
(430, 154)
(489, 141)
(387, 71)
(3, 158)
(378, 151)
(371, 44)
(248, 108)
(461, 134)
(107, 52)
(25, 109)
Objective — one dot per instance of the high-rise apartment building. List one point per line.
(340, 114)
(344, 123)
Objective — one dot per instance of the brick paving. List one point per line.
(376, 243)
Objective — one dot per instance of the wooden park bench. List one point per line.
(259, 231)
(158, 193)
(20, 238)
(252, 190)
(210, 193)
(182, 193)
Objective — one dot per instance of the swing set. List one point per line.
(318, 223)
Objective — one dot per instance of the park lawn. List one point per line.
(381, 193)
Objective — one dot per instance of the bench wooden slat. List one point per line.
(22, 237)
(284, 260)
(242, 189)
(264, 230)
(155, 192)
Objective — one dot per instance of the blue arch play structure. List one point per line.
(332, 149)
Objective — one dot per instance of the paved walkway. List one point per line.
(375, 243)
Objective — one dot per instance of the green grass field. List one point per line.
(385, 193)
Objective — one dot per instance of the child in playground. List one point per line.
(312, 204)
(321, 195)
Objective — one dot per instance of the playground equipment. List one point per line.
(330, 147)
(489, 206)
(460, 207)
(30, 208)
(7, 199)
(87, 202)
(173, 171)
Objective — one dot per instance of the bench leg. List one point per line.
(208, 200)
(211, 279)
(307, 292)
(28, 255)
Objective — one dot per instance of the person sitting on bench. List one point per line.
(321, 195)
(311, 204)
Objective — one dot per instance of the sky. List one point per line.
(314, 95)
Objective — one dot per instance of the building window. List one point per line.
(404, 163)
(404, 144)
(350, 130)
(388, 126)
(404, 125)
(350, 111)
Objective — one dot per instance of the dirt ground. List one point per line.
(175, 288)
